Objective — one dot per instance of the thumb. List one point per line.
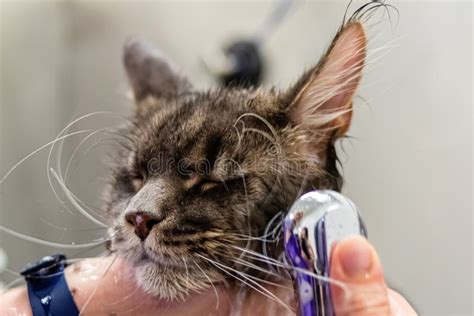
(355, 262)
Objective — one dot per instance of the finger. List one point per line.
(15, 302)
(399, 305)
(355, 262)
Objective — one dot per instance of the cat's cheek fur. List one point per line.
(173, 284)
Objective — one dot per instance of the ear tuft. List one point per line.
(321, 103)
(150, 73)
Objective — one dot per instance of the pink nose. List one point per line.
(143, 223)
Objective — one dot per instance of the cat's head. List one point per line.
(204, 172)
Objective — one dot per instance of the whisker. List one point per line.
(101, 255)
(259, 288)
(11, 271)
(97, 286)
(64, 228)
(257, 131)
(255, 254)
(58, 163)
(85, 206)
(247, 237)
(130, 310)
(14, 283)
(75, 203)
(74, 153)
(49, 243)
(67, 261)
(210, 282)
(38, 150)
(263, 237)
(264, 121)
(258, 257)
(255, 267)
(276, 239)
(124, 298)
(71, 169)
(243, 262)
(78, 147)
(246, 197)
(187, 271)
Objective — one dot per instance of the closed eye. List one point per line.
(201, 184)
(227, 183)
(209, 185)
(206, 184)
(137, 183)
(137, 179)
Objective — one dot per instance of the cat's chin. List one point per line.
(172, 283)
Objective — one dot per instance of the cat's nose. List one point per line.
(143, 223)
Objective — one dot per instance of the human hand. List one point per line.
(105, 286)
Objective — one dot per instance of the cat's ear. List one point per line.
(321, 102)
(150, 73)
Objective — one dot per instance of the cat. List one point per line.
(204, 172)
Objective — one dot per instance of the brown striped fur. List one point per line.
(261, 149)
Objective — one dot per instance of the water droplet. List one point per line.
(46, 300)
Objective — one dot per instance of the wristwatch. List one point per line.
(48, 292)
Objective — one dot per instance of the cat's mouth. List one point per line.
(174, 255)
(173, 268)
(148, 256)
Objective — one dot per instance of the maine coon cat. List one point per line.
(205, 172)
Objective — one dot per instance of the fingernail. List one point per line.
(356, 257)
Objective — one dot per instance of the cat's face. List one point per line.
(204, 172)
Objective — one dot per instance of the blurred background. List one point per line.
(408, 166)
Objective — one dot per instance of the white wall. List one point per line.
(409, 167)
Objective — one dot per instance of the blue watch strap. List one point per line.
(48, 292)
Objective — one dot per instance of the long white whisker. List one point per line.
(243, 262)
(64, 130)
(264, 121)
(73, 155)
(241, 280)
(247, 237)
(210, 282)
(70, 169)
(258, 257)
(255, 267)
(13, 283)
(64, 228)
(38, 150)
(113, 141)
(11, 272)
(250, 265)
(85, 206)
(49, 275)
(49, 243)
(97, 286)
(123, 299)
(187, 271)
(75, 203)
(268, 294)
(266, 234)
(246, 197)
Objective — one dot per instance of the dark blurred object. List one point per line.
(241, 63)
(247, 65)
